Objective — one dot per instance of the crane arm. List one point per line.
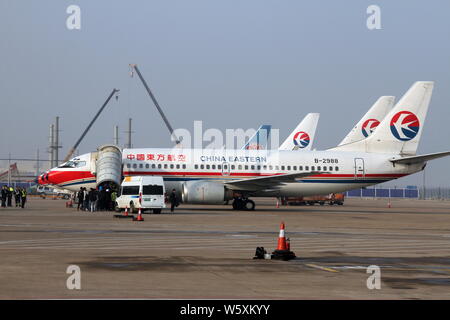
(166, 121)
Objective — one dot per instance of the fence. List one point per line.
(400, 193)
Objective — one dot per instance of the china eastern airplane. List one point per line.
(207, 176)
(370, 121)
(302, 138)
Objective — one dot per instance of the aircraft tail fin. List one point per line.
(260, 139)
(370, 121)
(302, 138)
(401, 129)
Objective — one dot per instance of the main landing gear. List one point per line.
(243, 204)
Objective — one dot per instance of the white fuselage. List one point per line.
(341, 170)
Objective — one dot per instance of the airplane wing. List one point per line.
(421, 158)
(268, 182)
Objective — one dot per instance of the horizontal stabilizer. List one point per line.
(421, 158)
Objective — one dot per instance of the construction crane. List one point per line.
(166, 121)
(72, 150)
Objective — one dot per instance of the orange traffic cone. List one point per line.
(139, 217)
(126, 211)
(283, 250)
(389, 203)
(278, 203)
(281, 238)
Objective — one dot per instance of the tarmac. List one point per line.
(205, 252)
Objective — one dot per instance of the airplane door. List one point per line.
(359, 168)
(225, 169)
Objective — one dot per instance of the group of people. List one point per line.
(102, 199)
(19, 194)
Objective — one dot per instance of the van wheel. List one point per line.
(132, 208)
(156, 211)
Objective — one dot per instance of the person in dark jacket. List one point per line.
(4, 196)
(80, 197)
(173, 200)
(10, 191)
(17, 196)
(93, 199)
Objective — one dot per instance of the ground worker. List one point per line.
(23, 197)
(93, 199)
(10, 195)
(17, 196)
(4, 196)
(113, 200)
(80, 197)
(173, 200)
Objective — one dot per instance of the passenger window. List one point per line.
(246, 167)
(331, 168)
(202, 166)
(264, 167)
(171, 166)
(141, 166)
(289, 167)
(178, 166)
(258, 167)
(282, 168)
(225, 167)
(318, 168)
(313, 168)
(240, 167)
(300, 168)
(277, 168)
(253, 167)
(159, 166)
(153, 166)
(270, 167)
(295, 168)
(196, 166)
(165, 166)
(134, 165)
(213, 166)
(307, 168)
(336, 168)
(184, 166)
(219, 166)
(147, 166)
(128, 165)
(232, 167)
(207, 166)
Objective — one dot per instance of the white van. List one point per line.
(145, 192)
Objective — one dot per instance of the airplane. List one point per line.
(207, 176)
(370, 121)
(302, 137)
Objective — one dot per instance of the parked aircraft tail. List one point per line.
(370, 121)
(302, 138)
(401, 129)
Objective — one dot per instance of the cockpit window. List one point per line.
(73, 164)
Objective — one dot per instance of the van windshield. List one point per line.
(130, 190)
(152, 189)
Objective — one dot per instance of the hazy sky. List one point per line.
(232, 64)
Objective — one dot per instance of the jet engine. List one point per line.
(205, 192)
